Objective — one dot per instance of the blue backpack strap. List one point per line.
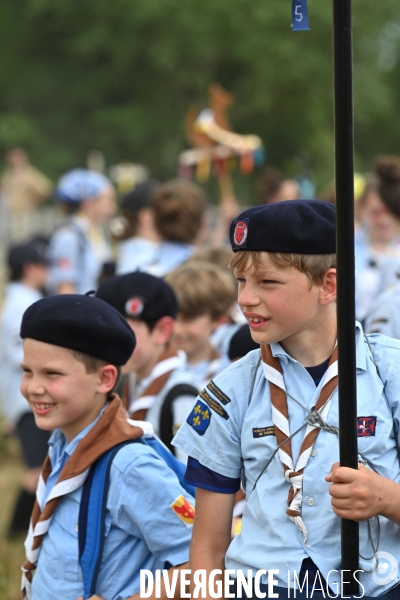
(176, 465)
(91, 522)
(94, 497)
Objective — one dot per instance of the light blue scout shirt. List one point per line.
(385, 314)
(17, 299)
(171, 255)
(136, 254)
(141, 530)
(74, 258)
(269, 540)
(369, 268)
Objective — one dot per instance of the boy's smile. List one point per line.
(58, 389)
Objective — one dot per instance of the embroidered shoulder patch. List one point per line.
(199, 418)
(183, 510)
(214, 404)
(219, 394)
(366, 426)
(259, 432)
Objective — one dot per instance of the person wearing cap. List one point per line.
(28, 274)
(74, 347)
(139, 241)
(273, 422)
(158, 387)
(79, 248)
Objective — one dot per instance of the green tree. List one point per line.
(119, 76)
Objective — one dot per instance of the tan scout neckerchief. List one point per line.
(280, 415)
(111, 429)
(170, 360)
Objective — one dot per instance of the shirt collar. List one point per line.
(361, 354)
(58, 444)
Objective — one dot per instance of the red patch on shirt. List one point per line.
(64, 264)
(184, 510)
(366, 426)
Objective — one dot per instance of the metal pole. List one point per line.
(344, 181)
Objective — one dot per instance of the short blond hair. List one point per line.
(312, 265)
(203, 288)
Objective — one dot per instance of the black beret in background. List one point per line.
(139, 197)
(241, 343)
(82, 323)
(24, 254)
(140, 296)
(292, 226)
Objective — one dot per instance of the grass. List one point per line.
(11, 552)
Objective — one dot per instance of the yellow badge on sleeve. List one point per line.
(184, 510)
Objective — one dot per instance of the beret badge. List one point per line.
(240, 233)
(134, 307)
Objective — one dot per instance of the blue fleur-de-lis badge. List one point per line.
(200, 417)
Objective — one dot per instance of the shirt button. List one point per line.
(310, 501)
(313, 452)
(76, 527)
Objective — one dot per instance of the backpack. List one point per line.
(91, 522)
(166, 416)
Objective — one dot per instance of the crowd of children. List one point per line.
(223, 354)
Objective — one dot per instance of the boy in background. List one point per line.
(139, 242)
(28, 276)
(73, 349)
(158, 388)
(275, 420)
(206, 296)
(179, 216)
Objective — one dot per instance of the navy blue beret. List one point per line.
(293, 226)
(82, 323)
(140, 296)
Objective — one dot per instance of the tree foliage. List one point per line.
(119, 76)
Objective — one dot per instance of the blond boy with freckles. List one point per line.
(274, 423)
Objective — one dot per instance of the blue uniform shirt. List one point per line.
(136, 254)
(226, 429)
(171, 255)
(17, 299)
(142, 531)
(75, 257)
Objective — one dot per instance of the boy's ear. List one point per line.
(163, 330)
(107, 378)
(327, 293)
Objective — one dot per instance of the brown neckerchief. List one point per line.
(279, 402)
(152, 389)
(111, 429)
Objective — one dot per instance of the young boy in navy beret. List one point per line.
(263, 427)
(74, 347)
(159, 388)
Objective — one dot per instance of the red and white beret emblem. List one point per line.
(240, 233)
(134, 307)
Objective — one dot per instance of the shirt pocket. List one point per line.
(65, 534)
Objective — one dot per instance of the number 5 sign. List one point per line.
(299, 15)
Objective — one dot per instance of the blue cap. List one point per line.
(81, 184)
(293, 226)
